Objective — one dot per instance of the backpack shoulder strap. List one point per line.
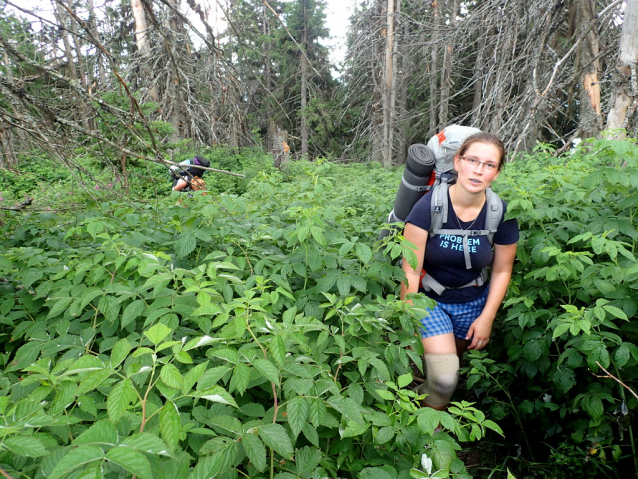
(438, 207)
(494, 213)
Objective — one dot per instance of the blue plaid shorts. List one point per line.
(452, 317)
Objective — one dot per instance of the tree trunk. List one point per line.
(590, 119)
(304, 86)
(141, 38)
(99, 56)
(434, 68)
(377, 92)
(175, 96)
(62, 20)
(448, 57)
(388, 90)
(626, 96)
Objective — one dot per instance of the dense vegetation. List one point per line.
(256, 331)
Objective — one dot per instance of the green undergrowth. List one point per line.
(562, 371)
(259, 333)
(218, 336)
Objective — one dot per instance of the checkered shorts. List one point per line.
(452, 317)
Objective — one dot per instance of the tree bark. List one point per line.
(448, 57)
(389, 87)
(587, 66)
(141, 38)
(434, 68)
(625, 92)
(304, 86)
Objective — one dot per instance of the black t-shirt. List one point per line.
(444, 258)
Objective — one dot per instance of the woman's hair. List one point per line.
(487, 138)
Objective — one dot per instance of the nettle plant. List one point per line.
(255, 336)
(571, 310)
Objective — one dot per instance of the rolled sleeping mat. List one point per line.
(416, 176)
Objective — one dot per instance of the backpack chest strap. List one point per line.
(465, 234)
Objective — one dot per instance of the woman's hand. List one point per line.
(479, 333)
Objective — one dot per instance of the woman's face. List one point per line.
(478, 166)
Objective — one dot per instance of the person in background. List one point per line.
(463, 316)
(186, 171)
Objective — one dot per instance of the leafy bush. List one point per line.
(571, 310)
(217, 336)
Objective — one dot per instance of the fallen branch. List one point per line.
(609, 375)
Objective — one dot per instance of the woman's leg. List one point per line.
(441, 368)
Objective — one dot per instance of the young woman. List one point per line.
(463, 316)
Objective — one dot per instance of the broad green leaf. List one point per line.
(276, 438)
(120, 351)
(132, 311)
(192, 376)
(317, 412)
(171, 376)
(133, 461)
(157, 333)
(25, 446)
(428, 420)
(183, 357)
(101, 433)
(59, 307)
(76, 458)
(84, 364)
(298, 409)
(185, 245)
(255, 450)
(119, 399)
(145, 442)
(268, 369)
(209, 466)
(375, 473)
(616, 312)
(277, 350)
(170, 424)
(306, 460)
(241, 378)
(404, 380)
(383, 435)
(216, 394)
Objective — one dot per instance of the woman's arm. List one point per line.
(180, 185)
(418, 237)
(481, 329)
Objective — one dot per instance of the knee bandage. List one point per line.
(442, 372)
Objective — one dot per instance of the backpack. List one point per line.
(431, 167)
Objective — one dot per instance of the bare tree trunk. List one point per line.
(389, 87)
(62, 20)
(377, 93)
(99, 57)
(626, 91)
(86, 119)
(448, 57)
(402, 71)
(434, 68)
(304, 87)
(141, 37)
(8, 156)
(175, 96)
(590, 119)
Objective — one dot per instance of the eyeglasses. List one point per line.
(475, 162)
